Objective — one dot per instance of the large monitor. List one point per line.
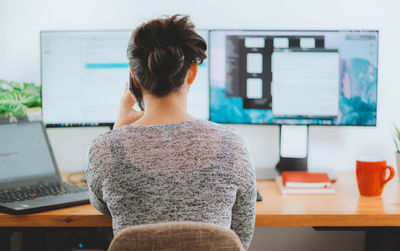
(84, 73)
(294, 77)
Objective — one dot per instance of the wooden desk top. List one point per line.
(345, 208)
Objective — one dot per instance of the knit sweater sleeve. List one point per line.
(94, 170)
(244, 209)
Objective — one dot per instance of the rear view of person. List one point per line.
(162, 164)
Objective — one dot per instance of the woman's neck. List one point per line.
(165, 110)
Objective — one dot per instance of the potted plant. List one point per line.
(18, 101)
(397, 143)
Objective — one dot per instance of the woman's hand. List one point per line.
(126, 114)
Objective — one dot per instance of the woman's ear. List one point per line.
(192, 73)
(133, 77)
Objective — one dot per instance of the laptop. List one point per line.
(29, 178)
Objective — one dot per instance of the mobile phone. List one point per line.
(136, 93)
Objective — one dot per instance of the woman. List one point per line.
(164, 165)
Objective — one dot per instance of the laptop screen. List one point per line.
(24, 152)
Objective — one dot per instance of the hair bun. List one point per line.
(165, 62)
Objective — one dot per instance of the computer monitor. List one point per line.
(294, 77)
(84, 73)
(291, 78)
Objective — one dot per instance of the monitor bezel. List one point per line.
(295, 30)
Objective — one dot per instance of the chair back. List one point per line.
(176, 236)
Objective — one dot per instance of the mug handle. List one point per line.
(390, 176)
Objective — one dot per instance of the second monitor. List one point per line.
(293, 77)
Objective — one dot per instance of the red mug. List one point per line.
(371, 176)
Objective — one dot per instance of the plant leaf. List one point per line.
(397, 132)
(11, 102)
(10, 84)
(16, 98)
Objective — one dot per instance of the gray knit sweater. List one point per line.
(189, 171)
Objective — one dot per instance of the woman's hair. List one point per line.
(161, 51)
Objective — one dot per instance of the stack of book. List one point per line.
(304, 183)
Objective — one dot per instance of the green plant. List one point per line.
(397, 138)
(16, 98)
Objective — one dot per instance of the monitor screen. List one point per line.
(293, 77)
(84, 74)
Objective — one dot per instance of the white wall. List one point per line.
(336, 147)
(2, 41)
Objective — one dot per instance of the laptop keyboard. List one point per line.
(37, 192)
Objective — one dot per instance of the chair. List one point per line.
(176, 236)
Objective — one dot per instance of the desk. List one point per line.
(345, 208)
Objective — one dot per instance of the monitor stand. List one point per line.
(291, 164)
(293, 151)
(293, 148)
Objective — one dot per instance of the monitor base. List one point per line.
(291, 164)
